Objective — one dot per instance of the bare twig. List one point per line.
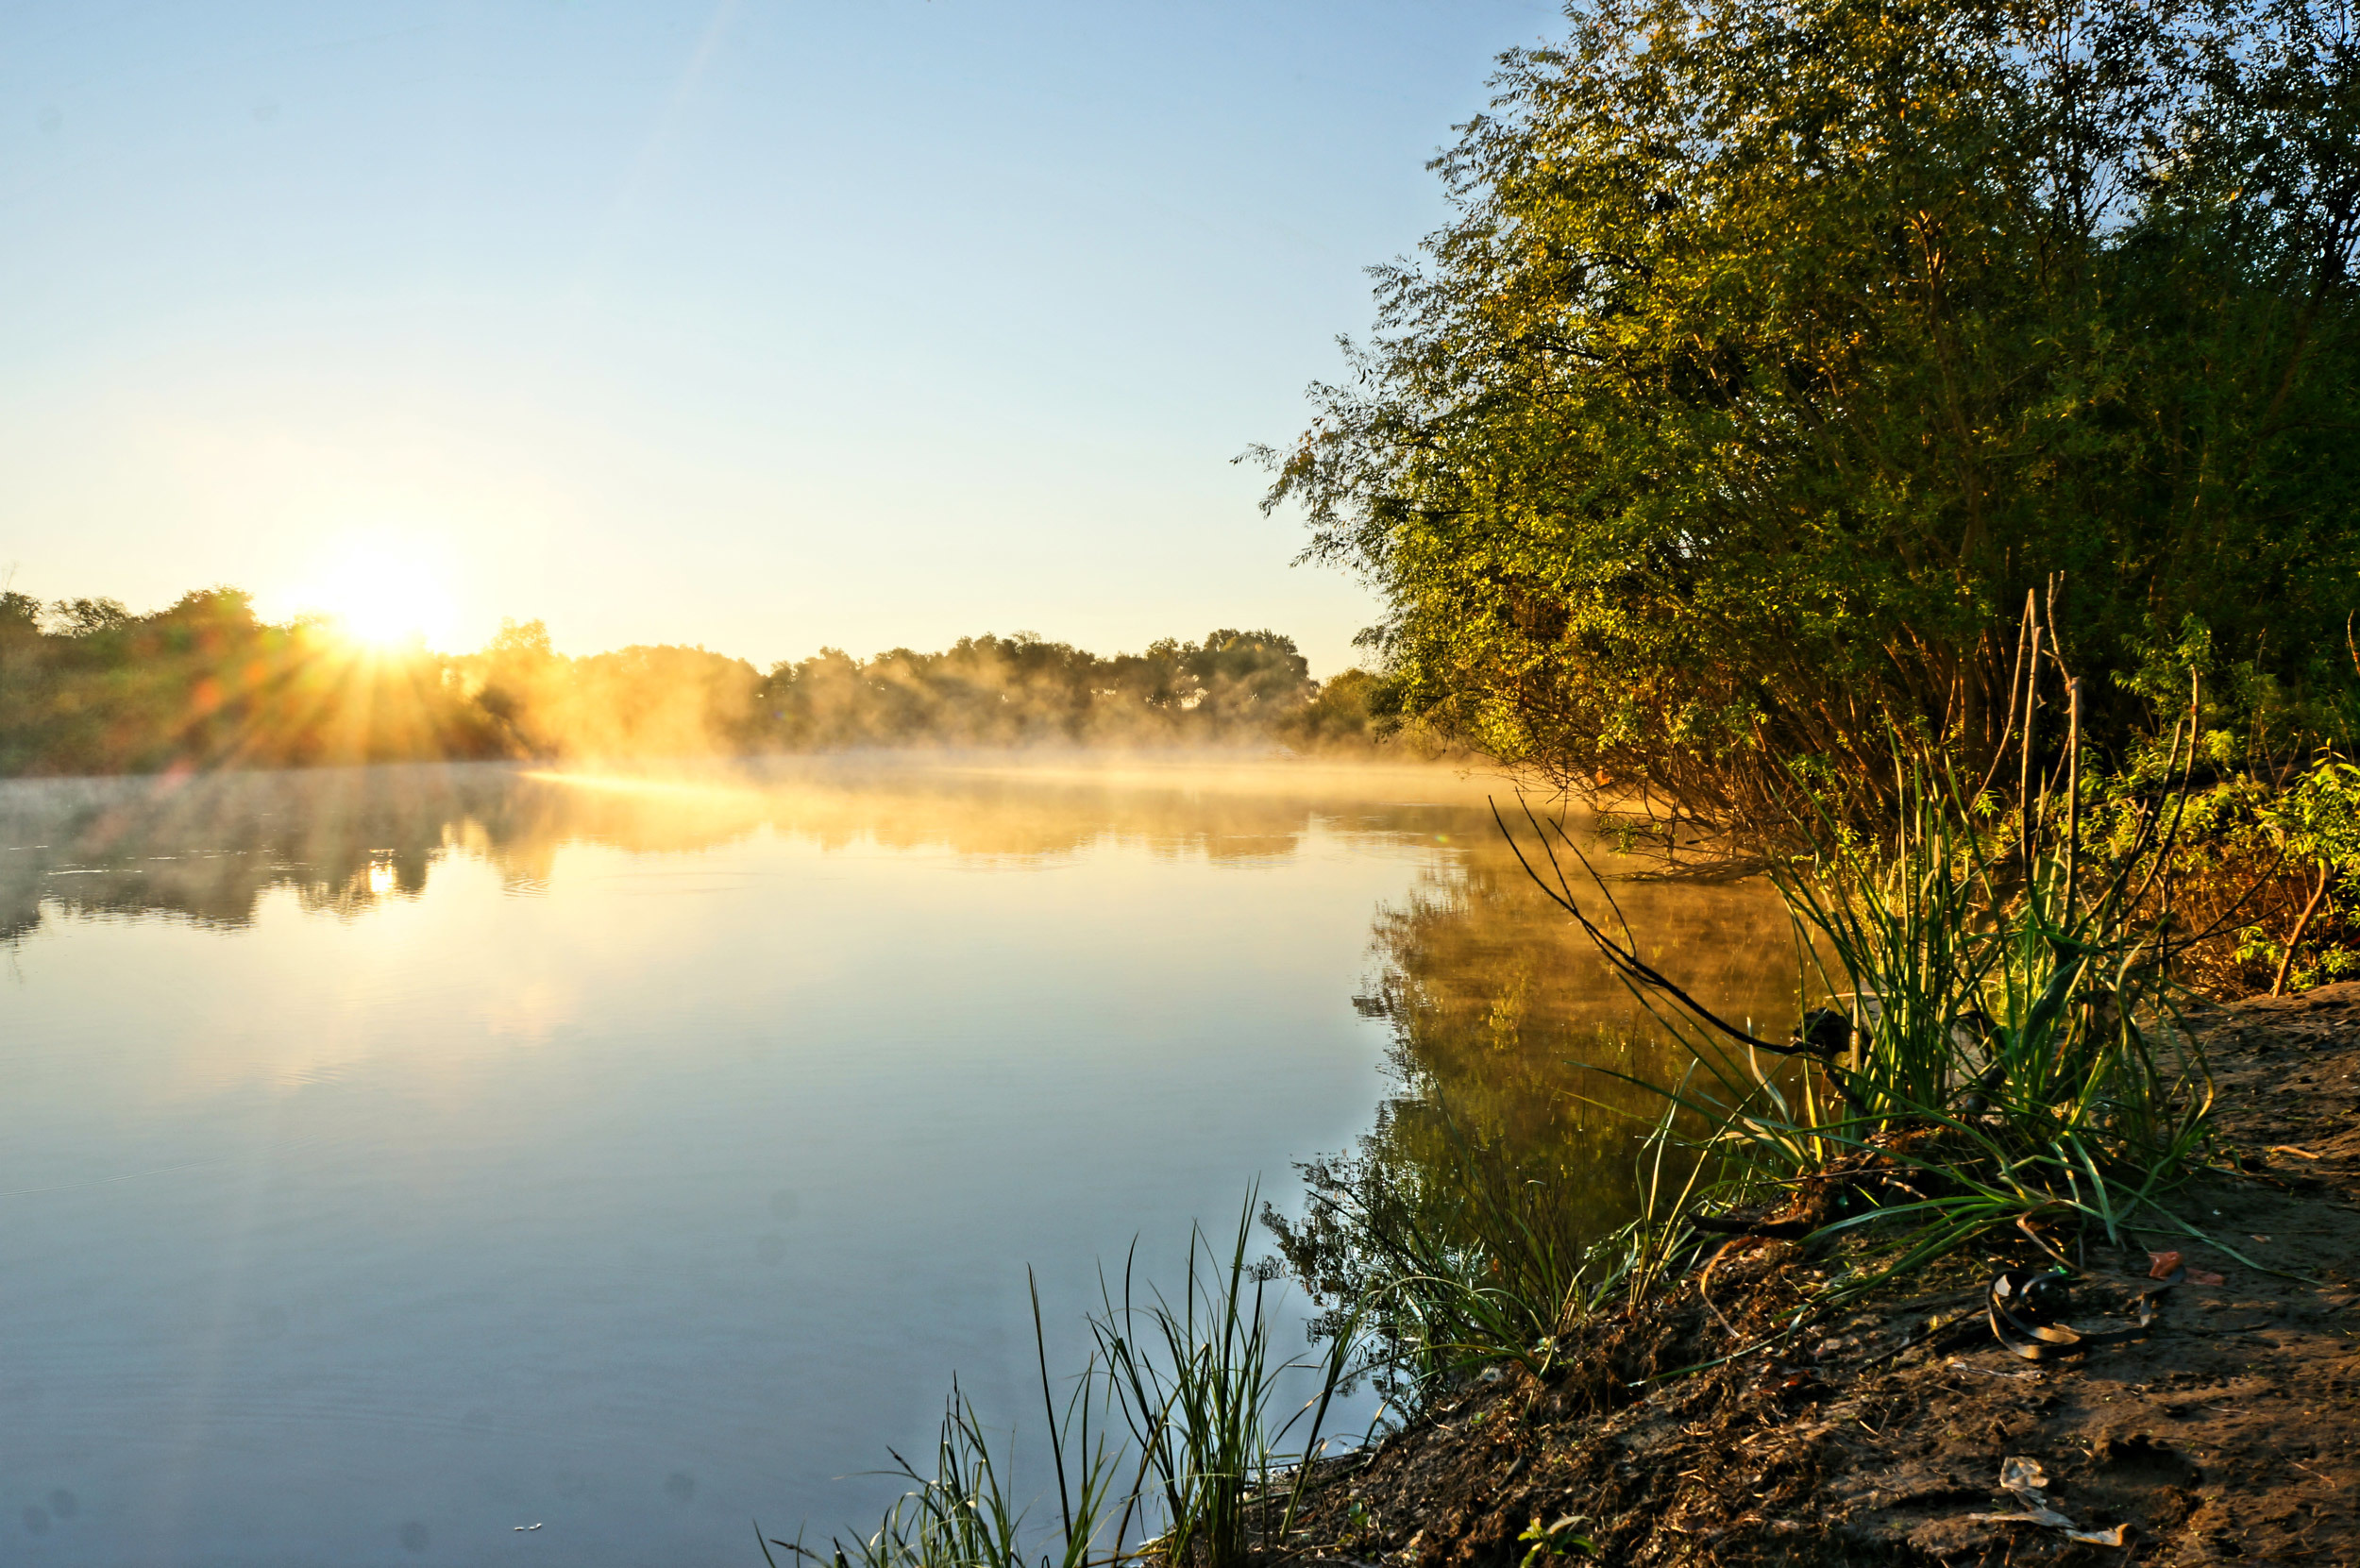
(2016, 681)
(1627, 963)
(2024, 799)
(2302, 923)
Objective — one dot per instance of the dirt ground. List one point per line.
(2225, 1434)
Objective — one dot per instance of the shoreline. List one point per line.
(2224, 1433)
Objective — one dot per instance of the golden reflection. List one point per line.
(208, 847)
(1506, 1028)
(623, 784)
(1515, 1045)
(1502, 1012)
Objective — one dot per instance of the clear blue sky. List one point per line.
(765, 324)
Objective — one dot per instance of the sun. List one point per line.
(385, 593)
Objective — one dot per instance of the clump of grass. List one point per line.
(963, 1515)
(2001, 1043)
(1172, 1447)
(2016, 1052)
(1196, 1382)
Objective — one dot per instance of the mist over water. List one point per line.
(401, 1156)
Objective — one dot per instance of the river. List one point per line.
(397, 1157)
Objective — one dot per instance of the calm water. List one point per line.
(395, 1157)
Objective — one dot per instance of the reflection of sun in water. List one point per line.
(383, 593)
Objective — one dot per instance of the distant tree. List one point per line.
(818, 703)
(521, 642)
(1026, 689)
(1254, 675)
(88, 686)
(1778, 351)
(659, 701)
(1341, 714)
(510, 675)
(88, 617)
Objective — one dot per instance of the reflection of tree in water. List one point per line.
(1501, 1010)
(1509, 1035)
(208, 847)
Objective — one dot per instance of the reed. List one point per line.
(1171, 1448)
(965, 1515)
(2000, 1042)
(1201, 1391)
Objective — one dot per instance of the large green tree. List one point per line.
(1778, 351)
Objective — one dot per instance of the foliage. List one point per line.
(88, 686)
(2001, 1047)
(2259, 897)
(1556, 1540)
(2320, 818)
(1020, 690)
(2316, 825)
(1777, 352)
(637, 701)
(1343, 715)
(1198, 1392)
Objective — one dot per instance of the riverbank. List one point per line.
(2224, 1433)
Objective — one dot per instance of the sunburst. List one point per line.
(385, 593)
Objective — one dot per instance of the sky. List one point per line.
(763, 325)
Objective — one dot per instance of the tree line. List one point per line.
(89, 687)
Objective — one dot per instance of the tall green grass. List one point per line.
(2018, 1042)
(2000, 1041)
(964, 1514)
(1177, 1444)
(1202, 1393)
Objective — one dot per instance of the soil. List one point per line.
(2225, 1434)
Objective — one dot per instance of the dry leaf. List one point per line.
(2020, 1475)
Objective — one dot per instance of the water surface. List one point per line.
(397, 1156)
